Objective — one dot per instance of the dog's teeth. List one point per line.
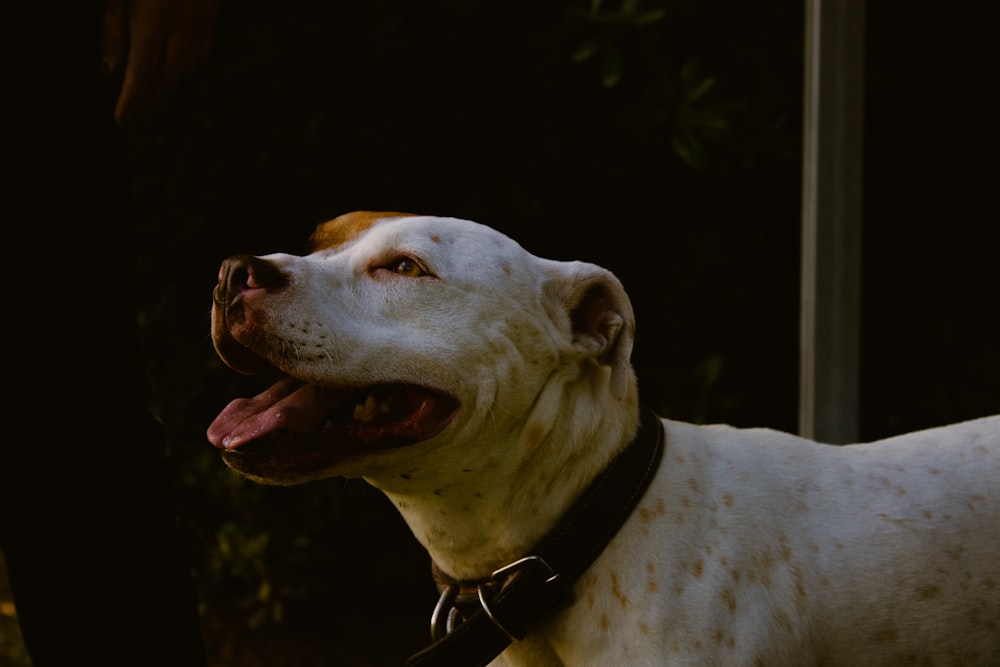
(370, 409)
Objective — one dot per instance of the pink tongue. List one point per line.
(288, 405)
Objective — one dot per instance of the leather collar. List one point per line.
(474, 621)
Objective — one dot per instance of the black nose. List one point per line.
(246, 272)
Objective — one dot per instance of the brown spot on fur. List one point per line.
(604, 621)
(652, 585)
(766, 560)
(435, 238)
(617, 591)
(534, 434)
(885, 636)
(782, 620)
(643, 628)
(347, 227)
(729, 598)
(955, 553)
(693, 484)
(697, 570)
(728, 500)
(650, 567)
(928, 591)
(800, 581)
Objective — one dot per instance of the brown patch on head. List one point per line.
(347, 227)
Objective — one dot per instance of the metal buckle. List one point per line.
(446, 615)
(445, 607)
(503, 575)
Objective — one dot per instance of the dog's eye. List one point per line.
(405, 266)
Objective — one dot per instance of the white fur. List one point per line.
(751, 547)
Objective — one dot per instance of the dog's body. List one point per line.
(483, 388)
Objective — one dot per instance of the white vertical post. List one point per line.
(831, 220)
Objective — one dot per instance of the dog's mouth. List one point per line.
(297, 430)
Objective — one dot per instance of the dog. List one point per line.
(489, 394)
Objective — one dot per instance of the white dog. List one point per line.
(484, 390)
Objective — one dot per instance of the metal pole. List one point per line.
(831, 220)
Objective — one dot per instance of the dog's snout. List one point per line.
(246, 272)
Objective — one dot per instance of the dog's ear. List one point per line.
(600, 317)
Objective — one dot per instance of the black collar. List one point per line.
(474, 621)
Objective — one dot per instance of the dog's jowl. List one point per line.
(489, 394)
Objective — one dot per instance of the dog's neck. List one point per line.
(471, 525)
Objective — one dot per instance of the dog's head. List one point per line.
(400, 333)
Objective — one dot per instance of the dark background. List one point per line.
(659, 139)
